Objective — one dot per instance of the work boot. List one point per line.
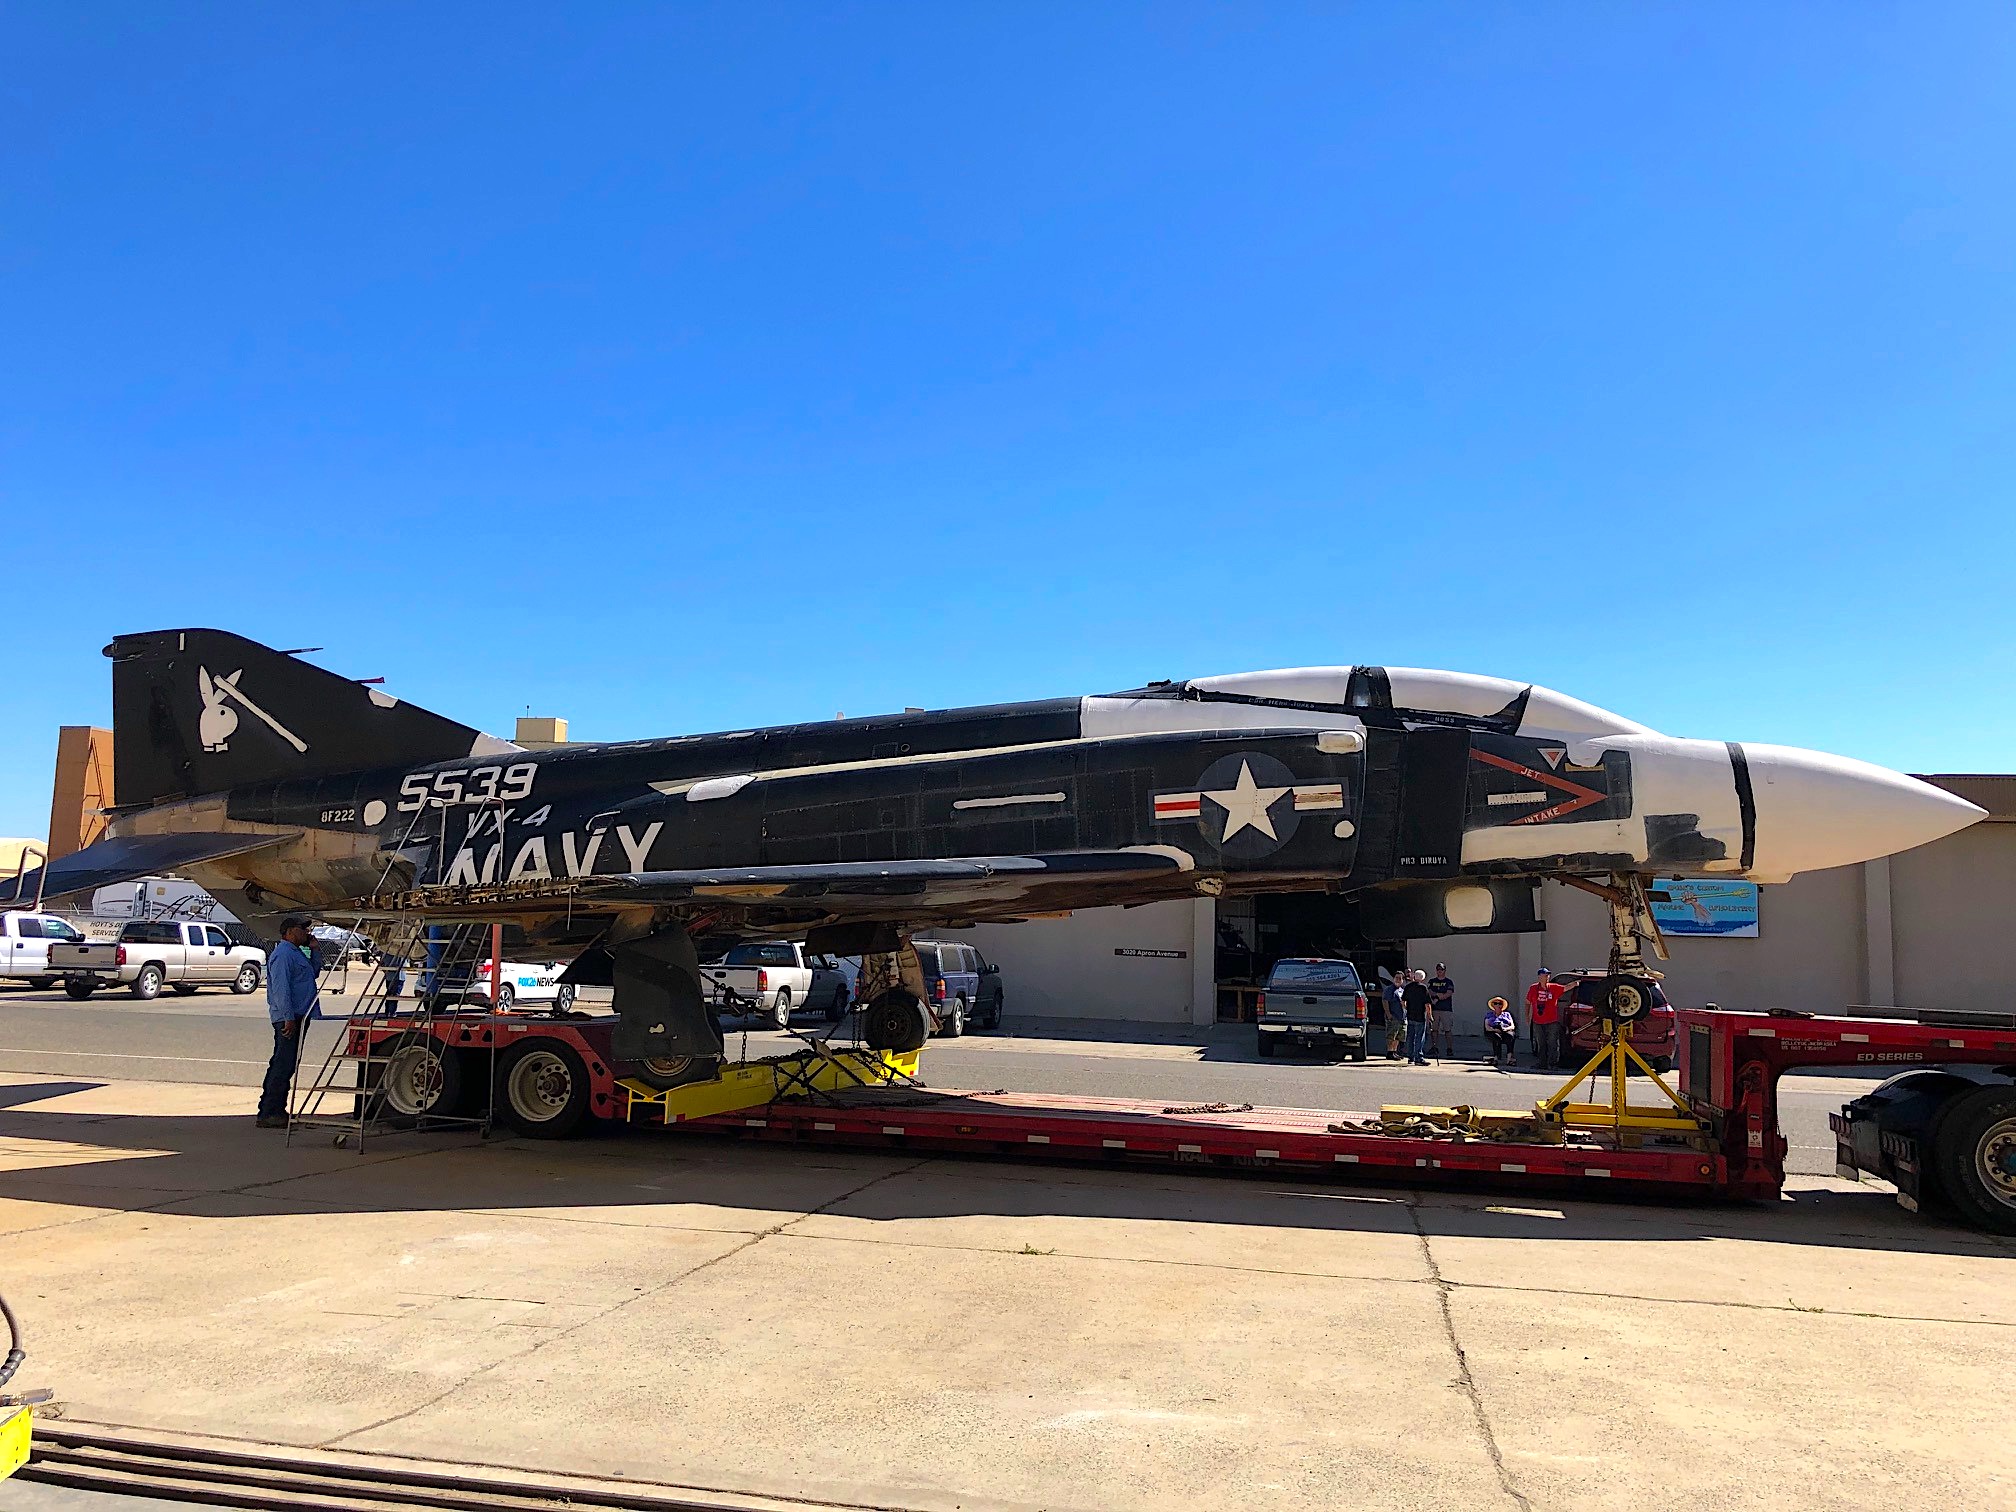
(270, 1121)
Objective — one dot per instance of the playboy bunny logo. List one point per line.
(219, 719)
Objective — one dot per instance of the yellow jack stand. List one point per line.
(1619, 1116)
(15, 1431)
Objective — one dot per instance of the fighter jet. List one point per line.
(1428, 802)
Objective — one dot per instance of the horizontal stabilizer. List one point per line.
(130, 857)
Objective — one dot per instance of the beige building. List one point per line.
(1932, 927)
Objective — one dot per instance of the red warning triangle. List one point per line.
(1553, 755)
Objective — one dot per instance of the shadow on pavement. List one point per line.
(220, 1163)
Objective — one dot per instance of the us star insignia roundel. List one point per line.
(1248, 804)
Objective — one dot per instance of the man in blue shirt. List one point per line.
(290, 1000)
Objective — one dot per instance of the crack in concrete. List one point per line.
(552, 1336)
(1465, 1381)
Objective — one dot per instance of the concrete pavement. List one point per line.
(881, 1330)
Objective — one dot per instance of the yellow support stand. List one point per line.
(1628, 1121)
(14, 1436)
(756, 1084)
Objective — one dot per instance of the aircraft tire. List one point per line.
(542, 1090)
(1975, 1156)
(671, 1071)
(895, 1021)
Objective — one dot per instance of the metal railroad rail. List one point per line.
(256, 1481)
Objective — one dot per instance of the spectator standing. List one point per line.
(1419, 1015)
(1543, 1013)
(1502, 1030)
(1442, 998)
(290, 1001)
(1396, 1015)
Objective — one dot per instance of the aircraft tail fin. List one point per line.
(199, 711)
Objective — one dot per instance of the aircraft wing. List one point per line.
(129, 857)
(963, 878)
(879, 889)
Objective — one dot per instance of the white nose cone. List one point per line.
(1816, 810)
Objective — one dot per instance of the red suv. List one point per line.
(1656, 1036)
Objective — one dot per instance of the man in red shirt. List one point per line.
(1543, 1013)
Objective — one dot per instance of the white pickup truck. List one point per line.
(774, 978)
(25, 939)
(156, 953)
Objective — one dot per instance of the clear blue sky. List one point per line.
(685, 367)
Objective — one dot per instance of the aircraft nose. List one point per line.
(1814, 810)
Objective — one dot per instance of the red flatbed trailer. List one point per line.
(1729, 1066)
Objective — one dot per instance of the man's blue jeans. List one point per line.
(280, 1069)
(1417, 1039)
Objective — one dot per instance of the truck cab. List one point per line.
(25, 938)
(1312, 1002)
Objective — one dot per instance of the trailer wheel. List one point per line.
(79, 988)
(1974, 1153)
(421, 1076)
(542, 1090)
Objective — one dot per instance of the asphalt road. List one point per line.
(216, 1038)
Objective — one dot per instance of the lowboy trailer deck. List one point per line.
(1950, 1133)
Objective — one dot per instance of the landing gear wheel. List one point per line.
(895, 1021)
(954, 1023)
(1624, 999)
(669, 1071)
(421, 1076)
(780, 1011)
(542, 1091)
(1974, 1152)
(147, 985)
(79, 988)
(247, 980)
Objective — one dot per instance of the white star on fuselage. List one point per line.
(1246, 805)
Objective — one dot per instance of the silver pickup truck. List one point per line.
(154, 953)
(1314, 1002)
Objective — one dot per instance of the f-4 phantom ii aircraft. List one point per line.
(1430, 802)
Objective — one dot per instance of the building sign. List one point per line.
(1712, 907)
(1153, 955)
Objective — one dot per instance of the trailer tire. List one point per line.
(1974, 1153)
(421, 1076)
(542, 1090)
(895, 1021)
(79, 988)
